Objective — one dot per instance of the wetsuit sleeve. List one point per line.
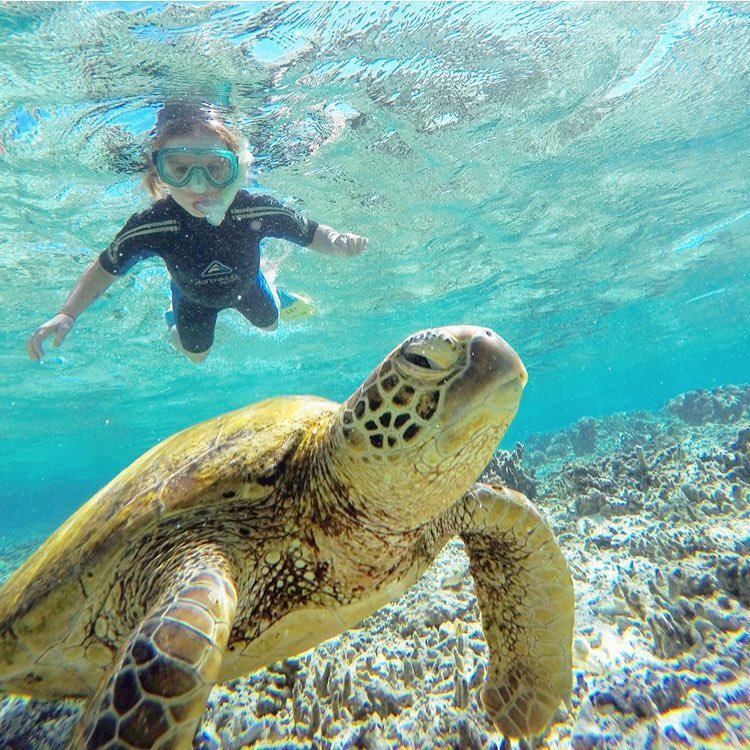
(129, 246)
(280, 221)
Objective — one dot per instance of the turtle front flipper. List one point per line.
(155, 693)
(525, 595)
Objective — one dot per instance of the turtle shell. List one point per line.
(49, 606)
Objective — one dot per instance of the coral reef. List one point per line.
(721, 405)
(505, 468)
(653, 514)
(583, 439)
(657, 529)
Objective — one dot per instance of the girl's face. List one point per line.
(198, 195)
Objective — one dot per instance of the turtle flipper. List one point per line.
(157, 690)
(525, 596)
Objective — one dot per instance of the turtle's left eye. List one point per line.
(421, 361)
(431, 351)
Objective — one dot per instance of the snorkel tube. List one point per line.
(216, 211)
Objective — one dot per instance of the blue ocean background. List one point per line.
(573, 175)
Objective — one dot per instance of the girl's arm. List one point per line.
(329, 241)
(94, 281)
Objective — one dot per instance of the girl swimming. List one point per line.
(206, 229)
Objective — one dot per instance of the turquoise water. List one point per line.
(572, 175)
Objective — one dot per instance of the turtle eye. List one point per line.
(420, 360)
(430, 350)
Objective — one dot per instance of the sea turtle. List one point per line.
(254, 536)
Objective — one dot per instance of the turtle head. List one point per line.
(430, 417)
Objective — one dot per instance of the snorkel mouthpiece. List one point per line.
(217, 211)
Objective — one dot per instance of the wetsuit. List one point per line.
(212, 268)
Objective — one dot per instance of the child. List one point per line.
(206, 230)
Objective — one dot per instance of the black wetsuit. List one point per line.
(212, 268)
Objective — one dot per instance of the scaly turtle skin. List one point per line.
(256, 535)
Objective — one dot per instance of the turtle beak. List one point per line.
(494, 361)
(486, 395)
(494, 370)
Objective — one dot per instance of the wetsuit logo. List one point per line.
(214, 268)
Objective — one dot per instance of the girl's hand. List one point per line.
(60, 325)
(331, 242)
(349, 244)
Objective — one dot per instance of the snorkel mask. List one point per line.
(220, 168)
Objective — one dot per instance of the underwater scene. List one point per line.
(376, 375)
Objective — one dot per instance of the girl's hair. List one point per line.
(178, 119)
